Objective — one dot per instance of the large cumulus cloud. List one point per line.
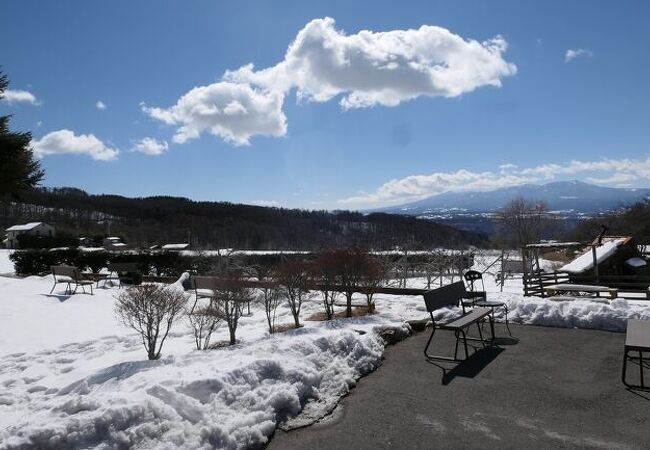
(366, 69)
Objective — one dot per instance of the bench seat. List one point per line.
(567, 287)
(466, 320)
(637, 339)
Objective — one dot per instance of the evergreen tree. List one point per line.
(19, 171)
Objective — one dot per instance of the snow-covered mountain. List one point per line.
(574, 197)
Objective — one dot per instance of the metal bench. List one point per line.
(69, 275)
(452, 295)
(567, 287)
(637, 339)
(204, 287)
(118, 271)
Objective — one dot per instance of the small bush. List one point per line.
(151, 310)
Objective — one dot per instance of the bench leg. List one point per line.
(433, 331)
(626, 357)
(505, 307)
(480, 333)
(641, 367)
(52, 290)
(465, 343)
(446, 358)
(624, 368)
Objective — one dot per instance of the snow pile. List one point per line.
(72, 376)
(585, 261)
(6, 266)
(229, 398)
(570, 312)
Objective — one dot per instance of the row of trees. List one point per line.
(153, 309)
(154, 220)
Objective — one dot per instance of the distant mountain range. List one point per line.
(474, 211)
(572, 198)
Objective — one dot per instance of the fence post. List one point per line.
(593, 252)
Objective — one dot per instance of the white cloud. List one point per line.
(572, 54)
(67, 142)
(100, 105)
(19, 96)
(150, 146)
(616, 172)
(384, 68)
(367, 68)
(232, 111)
(621, 179)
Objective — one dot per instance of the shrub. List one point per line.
(202, 321)
(37, 262)
(27, 241)
(151, 310)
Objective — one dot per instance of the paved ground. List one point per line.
(555, 388)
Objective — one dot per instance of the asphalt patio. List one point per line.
(549, 388)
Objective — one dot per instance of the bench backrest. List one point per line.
(449, 295)
(202, 282)
(513, 266)
(122, 267)
(66, 271)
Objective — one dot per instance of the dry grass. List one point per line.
(284, 327)
(357, 311)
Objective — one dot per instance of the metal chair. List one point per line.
(472, 277)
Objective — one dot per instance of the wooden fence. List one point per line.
(629, 286)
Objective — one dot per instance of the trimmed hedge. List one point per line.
(38, 261)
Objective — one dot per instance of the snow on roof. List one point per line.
(175, 246)
(585, 261)
(554, 244)
(119, 244)
(24, 227)
(112, 238)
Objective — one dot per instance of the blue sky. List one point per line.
(562, 93)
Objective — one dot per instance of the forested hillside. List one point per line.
(155, 220)
(633, 220)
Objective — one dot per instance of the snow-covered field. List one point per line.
(72, 376)
(6, 266)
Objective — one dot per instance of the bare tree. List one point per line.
(374, 275)
(270, 293)
(293, 278)
(151, 310)
(325, 272)
(202, 321)
(435, 263)
(525, 220)
(230, 293)
(350, 265)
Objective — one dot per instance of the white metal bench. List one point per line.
(69, 275)
(568, 287)
(637, 339)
